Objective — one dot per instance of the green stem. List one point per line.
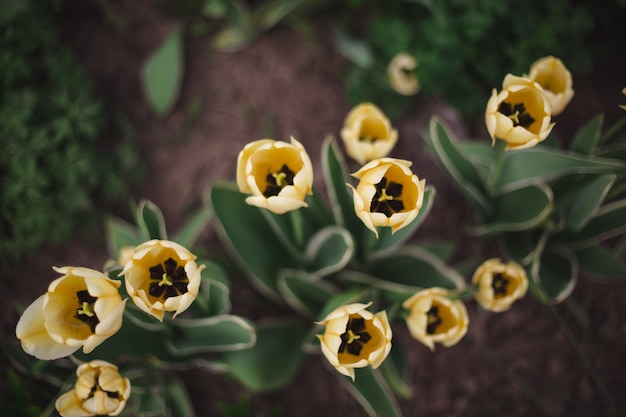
(297, 226)
(496, 168)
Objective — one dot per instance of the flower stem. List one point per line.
(496, 168)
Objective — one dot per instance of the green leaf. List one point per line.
(163, 73)
(607, 222)
(517, 246)
(555, 273)
(329, 250)
(387, 241)
(529, 166)
(214, 295)
(355, 295)
(305, 293)
(270, 14)
(459, 166)
(193, 227)
(212, 334)
(177, 398)
(356, 51)
(394, 369)
(289, 228)
(587, 202)
(253, 242)
(370, 389)
(120, 234)
(586, 139)
(517, 210)
(150, 221)
(336, 177)
(275, 358)
(599, 262)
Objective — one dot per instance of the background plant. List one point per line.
(55, 171)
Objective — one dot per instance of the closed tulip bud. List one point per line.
(401, 74)
(367, 133)
(555, 79)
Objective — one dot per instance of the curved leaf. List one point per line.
(150, 221)
(273, 360)
(517, 210)
(120, 234)
(329, 250)
(607, 222)
(599, 262)
(370, 389)
(517, 246)
(177, 398)
(587, 202)
(305, 293)
(162, 75)
(214, 334)
(394, 369)
(555, 273)
(193, 227)
(586, 139)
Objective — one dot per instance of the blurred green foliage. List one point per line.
(463, 48)
(55, 172)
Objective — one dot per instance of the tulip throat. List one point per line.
(85, 312)
(167, 279)
(517, 113)
(387, 200)
(433, 320)
(499, 285)
(355, 337)
(276, 181)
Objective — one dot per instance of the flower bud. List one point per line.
(367, 133)
(401, 74)
(555, 79)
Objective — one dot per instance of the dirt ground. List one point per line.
(519, 363)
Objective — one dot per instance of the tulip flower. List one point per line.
(80, 309)
(401, 75)
(555, 79)
(355, 338)
(279, 175)
(367, 133)
(435, 317)
(520, 114)
(162, 276)
(499, 284)
(100, 390)
(388, 194)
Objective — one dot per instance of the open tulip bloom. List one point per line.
(279, 175)
(555, 79)
(367, 133)
(388, 194)
(81, 309)
(499, 284)
(99, 390)
(435, 317)
(162, 276)
(520, 114)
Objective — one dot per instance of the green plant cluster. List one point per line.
(463, 47)
(54, 173)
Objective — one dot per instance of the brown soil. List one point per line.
(519, 363)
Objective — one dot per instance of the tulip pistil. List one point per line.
(433, 320)
(499, 285)
(168, 280)
(85, 311)
(517, 113)
(355, 336)
(385, 199)
(276, 181)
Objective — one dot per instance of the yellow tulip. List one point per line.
(555, 79)
(499, 284)
(401, 75)
(520, 114)
(436, 318)
(279, 175)
(99, 390)
(355, 338)
(162, 276)
(388, 194)
(367, 133)
(80, 309)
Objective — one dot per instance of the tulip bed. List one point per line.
(293, 253)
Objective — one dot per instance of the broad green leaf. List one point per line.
(529, 166)
(517, 246)
(336, 178)
(615, 151)
(193, 227)
(608, 221)
(356, 51)
(212, 334)
(252, 241)
(177, 398)
(305, 293)
(588, 200)
(273, 361)
(555, 273)
(599, 262)
(586, 139)
(120, 234)
(289, 228)
(270, 13)
(214, 296)
(150, 221)
(394, 369)
(370, 389)
(329, 250)
(459, 166)
(517, 210)
(163, 73)
(387, 241)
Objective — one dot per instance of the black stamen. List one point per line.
(176, 276)
(357, 327)
(433, 320)
(384, 205)
(499, 284)
(523, 119)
